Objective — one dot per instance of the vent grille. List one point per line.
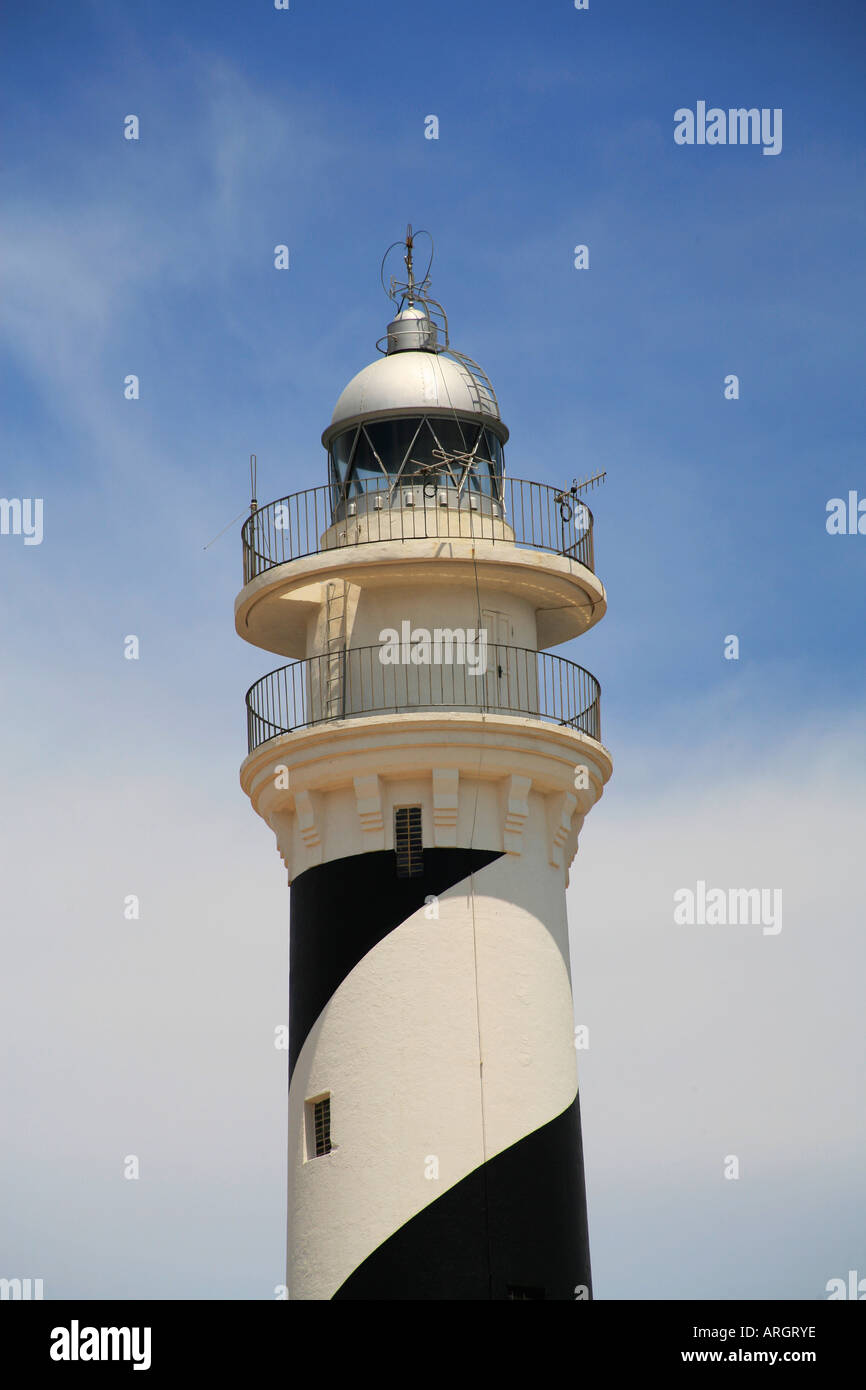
(407, 841)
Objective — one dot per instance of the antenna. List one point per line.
(587, 483)
(410, 278)
(416, 293)
(565, 498)
(254, 506)
(408, 289)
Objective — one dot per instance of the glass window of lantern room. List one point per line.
(393, 440)
(341, 453)
(493, 451)
(453, 438)
(420, 461)
(366, 472)
(436, 448)
(468, 445)
(443, 441)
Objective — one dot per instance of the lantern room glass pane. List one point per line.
(436, 449)
(341, 452)
(392, 440)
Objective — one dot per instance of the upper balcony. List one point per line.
(411, 537)
(513, 512)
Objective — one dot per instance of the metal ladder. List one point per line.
(479, 383)
(334, 694)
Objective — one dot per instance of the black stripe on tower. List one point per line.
(340, 910)
(514, 1228)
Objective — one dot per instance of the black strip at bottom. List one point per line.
(514, 1228)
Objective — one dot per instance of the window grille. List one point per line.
(407, 841)
(322, 1125)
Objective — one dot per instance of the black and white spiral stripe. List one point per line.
(443, 1034)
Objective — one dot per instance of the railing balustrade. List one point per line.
(320, 519)
(467, 676)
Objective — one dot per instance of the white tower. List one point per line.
(426, 765)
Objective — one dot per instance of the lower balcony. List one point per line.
(452, 676)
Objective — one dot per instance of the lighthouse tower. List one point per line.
(425, 763)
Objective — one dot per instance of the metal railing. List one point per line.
(321, 519)
(467, 676)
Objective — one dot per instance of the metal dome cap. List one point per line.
(414, 383)
(420, 373)
(411, 328)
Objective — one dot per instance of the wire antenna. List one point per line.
(410, 278)
(254, 506)
(408, 289)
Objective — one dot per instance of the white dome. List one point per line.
(412, 383)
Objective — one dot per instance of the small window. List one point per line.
(407, 841)
(524, 1291)
(318, 1126)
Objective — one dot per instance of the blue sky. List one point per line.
(155, 257)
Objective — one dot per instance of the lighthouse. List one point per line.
(425, 761)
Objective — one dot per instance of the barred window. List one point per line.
(318, 1126)
(407, 841)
